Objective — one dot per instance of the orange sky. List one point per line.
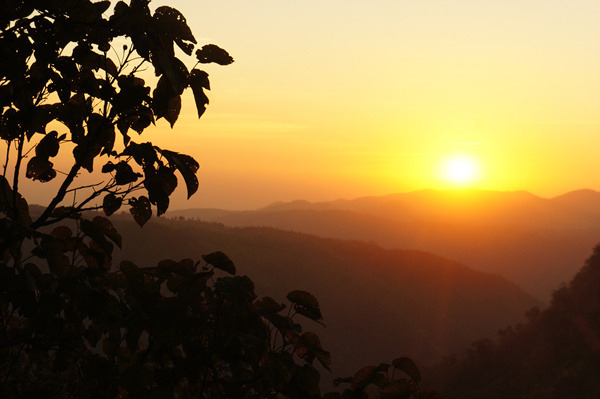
(331, 99)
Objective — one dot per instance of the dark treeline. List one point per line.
(555, 354)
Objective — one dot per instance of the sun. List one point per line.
(460, 170)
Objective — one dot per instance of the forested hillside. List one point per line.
(376, 302)
(555, 354)
(533, 241)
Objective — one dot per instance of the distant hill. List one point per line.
(531, 240)
(376, 302)
(554, 355)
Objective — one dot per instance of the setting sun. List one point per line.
(460, 170)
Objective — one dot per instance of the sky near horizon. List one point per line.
(341, 99)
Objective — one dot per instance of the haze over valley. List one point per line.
(415, 303)
(536, 242)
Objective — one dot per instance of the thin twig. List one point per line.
(7, 158)
(82, 187)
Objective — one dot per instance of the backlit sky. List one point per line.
(338, 99)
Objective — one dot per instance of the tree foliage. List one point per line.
(73, 324)
(176, 330)
(71, 78)
(554, 354)
(399, 380)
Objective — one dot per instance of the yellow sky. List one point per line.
(331, 99)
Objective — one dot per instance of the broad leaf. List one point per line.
(107, 228)
(199, 82)
(48, 146)
(187, 166)
(401, 389)
(125, 174)
(306, 303)
(95, 231)
(268, 305)
(213, 53)
(160, 186)
(166, 103)
(220, 261)
(170, 266)
(238, 289)
(173, 26)
(409, 367)
(18, 211)
(140, 209)
(40, 169)
(363, 377)
(62, 232)
(111, 204)
(310, 341)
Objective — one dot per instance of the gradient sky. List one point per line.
(340, 99)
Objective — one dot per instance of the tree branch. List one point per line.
(7, 157)
(16, 176)
(60, 195)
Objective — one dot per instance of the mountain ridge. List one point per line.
(375, 301)
(531, 240)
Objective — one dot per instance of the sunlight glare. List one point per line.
(460, 170)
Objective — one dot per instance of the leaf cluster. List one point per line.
(388, 385)
(554, 354)
(71, 326)
(70, 76)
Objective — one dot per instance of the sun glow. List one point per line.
(460, 170)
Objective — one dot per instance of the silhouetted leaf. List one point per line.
(307, 378)
(48, 146)
(341, 380)
(140, 119)
(40, 169)
(101, 133)
(108, 167)
(132, 272)
(311, 342)
(268, 305)
(160, 186)
(409, 367)
(170, 266)
(198, 82)
(220, 261)
(173, 109)
(95, 231)
(91, 335)
(111, 204)
(140, 209)
(401, 389)
(173, 26)
(363, 377)
(107, 228)
(166, 102)
(383, 367)
(18, 211)
(238, 289)
(52, 249)
(85, 153)
(62, 232)
(187, 166)
(144, 154)
(125, 174)
(306, 304)
(212, 53)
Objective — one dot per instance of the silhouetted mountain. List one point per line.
(531, 240)
(376, 302)
(555, 354)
